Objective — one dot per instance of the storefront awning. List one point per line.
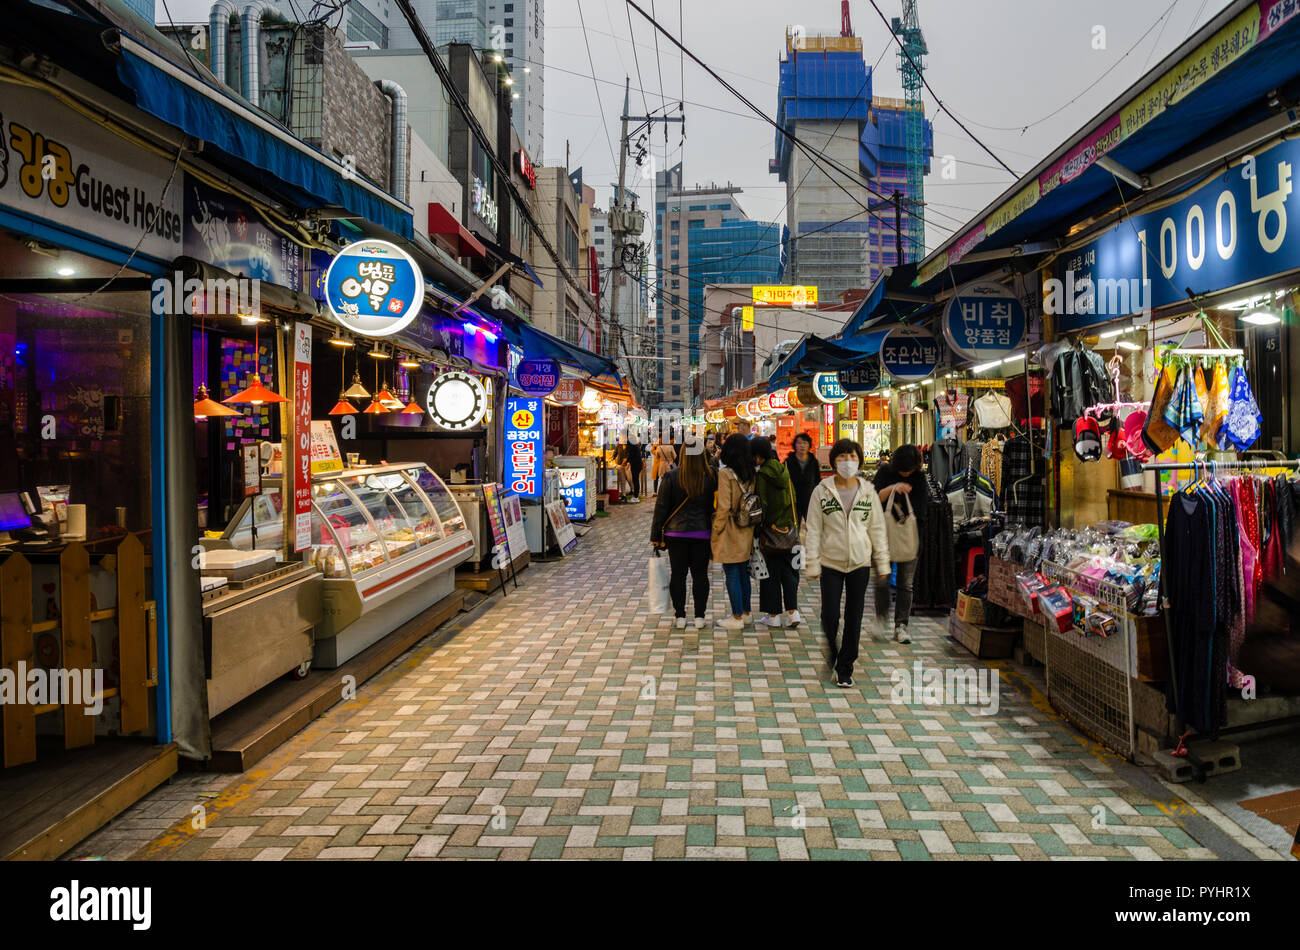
(537, 344)
(815, 355)
(509, 256)
(444, 224)
(263, 152)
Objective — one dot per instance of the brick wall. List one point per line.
(355, 115)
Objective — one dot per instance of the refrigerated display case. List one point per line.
(386, 540)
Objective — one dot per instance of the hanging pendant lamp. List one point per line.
(255, 393)
(377, 406)
(205, 407)
(343, 407)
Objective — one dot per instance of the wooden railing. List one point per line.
(136, 639)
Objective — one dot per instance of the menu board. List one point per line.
(325, 455)
(512, 513)
(499, 537)
(562, 526)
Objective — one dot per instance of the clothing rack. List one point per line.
(1212, 469)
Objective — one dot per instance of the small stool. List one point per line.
(974, 559)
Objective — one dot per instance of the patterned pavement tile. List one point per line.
(566, 722)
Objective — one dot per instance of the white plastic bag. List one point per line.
(657, 591)
(904, 539)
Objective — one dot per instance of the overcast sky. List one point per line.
(1000, 65)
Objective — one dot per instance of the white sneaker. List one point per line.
(732, 623)
(901, 635)
(876, 632)
(793, 619)
(772, 621)
(699, 623)
(747, 619)
(680, 623)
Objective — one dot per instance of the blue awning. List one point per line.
(815, 355)
(865, 308)
(539, 345)
(226, 125)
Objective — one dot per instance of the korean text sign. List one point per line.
(523, 446)
(302, 436)
(909, 355)
(984, 320)
(374, 288)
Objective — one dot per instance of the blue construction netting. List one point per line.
(833, 86)
(884, 141)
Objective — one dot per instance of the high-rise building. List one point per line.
(521, 27)
(840, 211)
(702, 236)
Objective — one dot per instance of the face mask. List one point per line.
(846, 469)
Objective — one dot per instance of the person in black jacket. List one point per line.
(903, 475)
(682, 523)
(635, 459)
(805, 473)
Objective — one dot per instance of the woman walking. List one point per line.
(683, 521)
(805, 473)
(663, 456)
(901, 487)
(846, 536)
(635, 462)
(733, 542)
(777, 538)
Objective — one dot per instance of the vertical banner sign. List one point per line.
(747, 319)
(302, 436)
(523, 441)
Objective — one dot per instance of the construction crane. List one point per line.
(846, 25)
(911, 63)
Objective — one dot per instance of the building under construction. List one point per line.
(841, 207)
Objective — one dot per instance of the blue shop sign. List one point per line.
(374, 288)
(984, 321)
(537, 377)
(828, 388)
(227, 233)
(524, 422)
(909, 355)
(860, 379)
(1230, 231)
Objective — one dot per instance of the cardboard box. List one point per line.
(987, 643)
(970, 609)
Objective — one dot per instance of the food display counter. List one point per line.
(385, 543)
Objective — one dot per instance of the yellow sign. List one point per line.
(523, 419)
(747, 319)
(786, 296)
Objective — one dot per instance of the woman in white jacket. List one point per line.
(846, 536)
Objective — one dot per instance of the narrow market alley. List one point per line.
(563, 721)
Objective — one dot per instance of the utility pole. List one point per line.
(625, 224)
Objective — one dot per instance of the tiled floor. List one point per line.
(566, 722)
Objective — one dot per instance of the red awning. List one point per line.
(443, 224)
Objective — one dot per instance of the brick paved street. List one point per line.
(565, 722)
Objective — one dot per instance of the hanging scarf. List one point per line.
(1216, 407)
(1242, 427)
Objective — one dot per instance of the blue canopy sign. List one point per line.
(860, 379)
(374, 288)
(984, 321)
(909, 355)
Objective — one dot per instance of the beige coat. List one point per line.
(664, 456)
(845, 541)
(731, 544)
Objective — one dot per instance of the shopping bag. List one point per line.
(657, 590)
(904, 540)
(758, 563)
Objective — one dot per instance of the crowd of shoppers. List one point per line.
(735, 502)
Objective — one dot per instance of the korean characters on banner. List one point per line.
(984, 321)
(302, 436)
(909, 355)
(524, 442)
(861, 379)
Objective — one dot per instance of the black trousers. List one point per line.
(853, 588)
(782, 584)
(689, 554)
(637, 468)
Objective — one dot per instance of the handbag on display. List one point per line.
(904, 539)
(657, 590)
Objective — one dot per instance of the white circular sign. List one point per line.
(457, 400)
(374, 288)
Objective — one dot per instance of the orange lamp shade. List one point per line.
(343, 408)
(255, 393)
(412, 408)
